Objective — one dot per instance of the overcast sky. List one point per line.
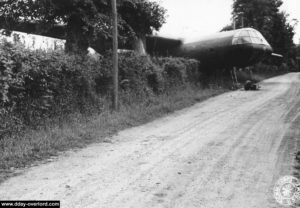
(191, 19)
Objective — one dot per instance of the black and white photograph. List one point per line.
(150, 103)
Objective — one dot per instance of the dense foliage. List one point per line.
(36, 86)
(265, 16)
(298, 50)
(86, 22)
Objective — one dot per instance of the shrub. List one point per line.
(36, 86)
(178, 71)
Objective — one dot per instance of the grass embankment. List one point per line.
(78, 131)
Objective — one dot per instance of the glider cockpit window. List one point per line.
(248, 36)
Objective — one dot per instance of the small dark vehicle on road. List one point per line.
(251, 85)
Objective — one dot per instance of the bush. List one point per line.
(178, 71)
(36, 86)
(261, 71)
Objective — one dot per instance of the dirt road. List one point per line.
(225, 152)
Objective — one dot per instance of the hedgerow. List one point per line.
(36, 86)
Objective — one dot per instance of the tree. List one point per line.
(283, 34)
(82, 19)
(85, 22)
(264, 15)
(143, 17)
(298, 50)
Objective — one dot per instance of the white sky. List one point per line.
(191, 19)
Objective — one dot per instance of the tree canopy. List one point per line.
(85, 21)
(265, 16)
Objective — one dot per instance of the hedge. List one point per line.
(37, 85)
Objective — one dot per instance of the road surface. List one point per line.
(225, 152)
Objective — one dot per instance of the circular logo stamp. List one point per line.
(287, 191)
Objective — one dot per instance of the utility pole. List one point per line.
(115, 56)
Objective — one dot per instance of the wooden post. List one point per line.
(115, 56)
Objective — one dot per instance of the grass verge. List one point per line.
(78, 130)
